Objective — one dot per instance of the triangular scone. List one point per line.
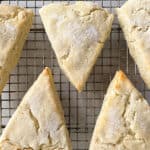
(124, 121)
(77, 33)
(38, 123)
(134, 18)
(15, 23)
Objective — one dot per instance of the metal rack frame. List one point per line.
(81, 109)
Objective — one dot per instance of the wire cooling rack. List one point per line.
(81, 109)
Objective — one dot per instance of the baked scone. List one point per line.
(124, 121)
(134, 18)
(77, 33)
(15, 23)
(38, 123)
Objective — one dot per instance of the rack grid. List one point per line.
(81, 109)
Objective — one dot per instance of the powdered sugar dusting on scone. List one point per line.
(114, 123)
(92, 33)
(80, 36)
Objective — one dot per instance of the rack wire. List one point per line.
(81, 109)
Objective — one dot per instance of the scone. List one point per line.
(15, 23)
(38, 123)
(77, 33)
(134, 17)
(124, 121)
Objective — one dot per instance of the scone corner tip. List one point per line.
(79, 88)
(47, 71)
(120, 74)
(119, 78)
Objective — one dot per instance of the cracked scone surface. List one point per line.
(38, 123)
(15, 23)
(77, 33)
(134, 17)
(124, 122)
